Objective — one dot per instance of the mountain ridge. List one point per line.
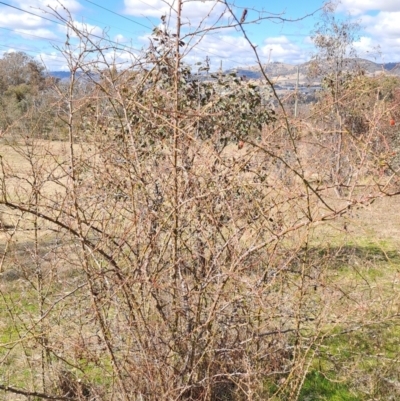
(288, 72)
(285, 71)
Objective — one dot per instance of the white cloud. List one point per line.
(192, 11)
(277, 40)
(282, 49)
(28, 24)
(71, 5)
(120, 38)
(379, 21)
(35, 34)
(150, 8)
(82, 27)
(15, 21)
(19, 19)
(357, 7)
(379, 50)
(364, 45)
(235, 51)
(308, 40)
(122, 59)
(53, 61)
(384, 24)
(232, 50)
(380, 40)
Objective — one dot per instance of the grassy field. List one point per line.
(361, 361)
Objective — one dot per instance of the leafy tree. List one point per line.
(335, 64)
(19, 68)
(335, 58)
(22, 80)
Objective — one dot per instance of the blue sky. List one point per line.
(130, 23)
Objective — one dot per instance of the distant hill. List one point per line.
(65, 75)
(283, 72)
(391, 66)
(60, 74)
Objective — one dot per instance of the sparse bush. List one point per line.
(200, 265)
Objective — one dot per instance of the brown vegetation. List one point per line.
(184, 241)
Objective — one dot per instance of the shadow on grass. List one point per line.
(350, 254)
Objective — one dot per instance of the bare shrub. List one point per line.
(175, 252)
